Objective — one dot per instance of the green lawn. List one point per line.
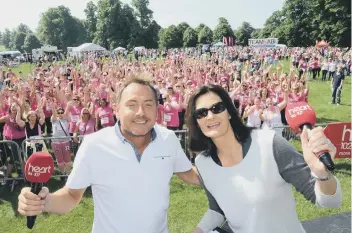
(2, 48)
(187, 203)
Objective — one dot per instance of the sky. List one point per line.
(166, 12)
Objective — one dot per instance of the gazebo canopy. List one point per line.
(87, 47)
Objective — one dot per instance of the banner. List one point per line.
(269, 42)
(340, 135)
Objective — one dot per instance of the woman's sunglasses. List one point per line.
(215, 109)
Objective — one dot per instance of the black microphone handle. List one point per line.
(325, 156)
(35, 188)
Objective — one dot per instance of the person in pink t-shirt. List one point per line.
(73, 110)
(171, 117)
(85, 126)
(160, 117)
(295, 96)
(104, 115)
(14, 130)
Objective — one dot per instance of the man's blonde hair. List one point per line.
(144, 79)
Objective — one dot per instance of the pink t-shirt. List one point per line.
(47, 110)
(161, 112)
(12, 130)
(293, 98)
(106, 116)
(4, 110)
(171, 116)
(85, 128)
(75, 113)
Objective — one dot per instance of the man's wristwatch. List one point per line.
(321, 178)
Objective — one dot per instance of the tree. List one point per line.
(332, 21)
(144, 14)
(152, 35)
(272, 23)
(59, 28)
(182, 27)
(170, 38)
(130, 34)
(298, 23)
(243, 33)
(149, 29)
(24, 28)
(205, 35)
(18, 40)
(222, 29)
(190, 38)
(6, 38)
(118, 26)
(91, 20)
(31, 42)
(256, 33)
(199, 28)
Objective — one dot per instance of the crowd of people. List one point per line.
(78, 98)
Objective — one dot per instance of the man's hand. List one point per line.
(30, 204)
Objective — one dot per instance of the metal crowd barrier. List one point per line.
(36, 144)
(11, 150)
(289, 134)
(183, 137)
(20, 156)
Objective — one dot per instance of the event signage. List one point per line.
(268, 42)
(340, 135)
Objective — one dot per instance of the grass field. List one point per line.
(187, 203)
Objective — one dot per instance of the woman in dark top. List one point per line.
(34, 127)
(248, 173)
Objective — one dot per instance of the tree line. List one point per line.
(111, 23)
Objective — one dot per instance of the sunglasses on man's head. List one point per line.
(215, 109)
(60, 113)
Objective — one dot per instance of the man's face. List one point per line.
(137, 110)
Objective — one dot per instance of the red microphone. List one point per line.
(301, 114)
(38, 170)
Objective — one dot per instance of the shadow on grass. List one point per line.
(323, 120)
(343, 168)
(12, 197)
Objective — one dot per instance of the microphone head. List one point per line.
(298, 114)
(39, 167)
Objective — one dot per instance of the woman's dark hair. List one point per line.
(198, 141)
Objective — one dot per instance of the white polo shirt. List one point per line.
(130, 196)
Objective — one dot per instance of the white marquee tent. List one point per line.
(88, 47)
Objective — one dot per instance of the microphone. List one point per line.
(38, 170)
(301, 114)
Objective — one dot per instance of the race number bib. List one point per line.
(167, 117)
(75, 118)
(35, 139)
(105, 120)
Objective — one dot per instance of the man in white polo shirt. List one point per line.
(128, 166)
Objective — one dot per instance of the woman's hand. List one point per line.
(313, 142)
